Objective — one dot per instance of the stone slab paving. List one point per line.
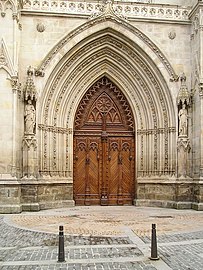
(102, 238)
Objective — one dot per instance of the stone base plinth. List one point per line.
(30, 207)
(197, 206)
(183, 205)
(10, 209)
(180, 193)
(154, 203)
(31, 194)
(57, 204)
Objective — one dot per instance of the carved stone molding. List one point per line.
(145, 9)
(156, 131)
(107, 11)
(55, 129)
(125, 25)
(166, 130)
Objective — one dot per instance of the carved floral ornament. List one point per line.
(172, 34)
(144, 9)
(40, 27)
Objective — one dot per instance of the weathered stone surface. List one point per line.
(145, 50)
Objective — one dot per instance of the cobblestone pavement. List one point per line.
(117, 238)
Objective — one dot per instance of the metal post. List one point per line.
(61, 253)
(154, 255)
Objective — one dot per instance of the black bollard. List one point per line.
(154, 255)
(61, 253)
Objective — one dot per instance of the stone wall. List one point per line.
(143, 48)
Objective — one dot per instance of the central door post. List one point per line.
(104, 139)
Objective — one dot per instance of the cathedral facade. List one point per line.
(101, 104)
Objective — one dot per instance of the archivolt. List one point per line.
(99, 24)
(111, 54)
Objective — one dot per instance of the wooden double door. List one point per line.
(104, 148)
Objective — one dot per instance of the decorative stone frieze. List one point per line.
(107, 11)
(132, 10)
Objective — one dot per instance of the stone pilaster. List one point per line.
(183, 146)
(201, 129)
(30, 168)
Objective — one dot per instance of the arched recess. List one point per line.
(104, 147)
(108, 53)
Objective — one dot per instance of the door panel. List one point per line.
(104, 147)
(79, 170)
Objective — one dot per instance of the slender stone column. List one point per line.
(201, 129)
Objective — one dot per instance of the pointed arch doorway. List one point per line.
(104, 147)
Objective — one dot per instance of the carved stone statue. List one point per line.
(183, 118)
(30, 117)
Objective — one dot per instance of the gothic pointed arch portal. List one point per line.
(104, 147)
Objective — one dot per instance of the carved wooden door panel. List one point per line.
(104, 147)
(121, 168)
(87, 170)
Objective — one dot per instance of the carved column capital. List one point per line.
(183, 143)
(16, 86)
(30, 141)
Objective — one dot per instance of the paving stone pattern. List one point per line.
(90, 266)
(21, 249)
(11, 236)
(183, 257)
(175, 237)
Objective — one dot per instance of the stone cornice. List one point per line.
(130, 10)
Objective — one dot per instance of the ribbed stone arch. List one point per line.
(135, 73)
(97, 25)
